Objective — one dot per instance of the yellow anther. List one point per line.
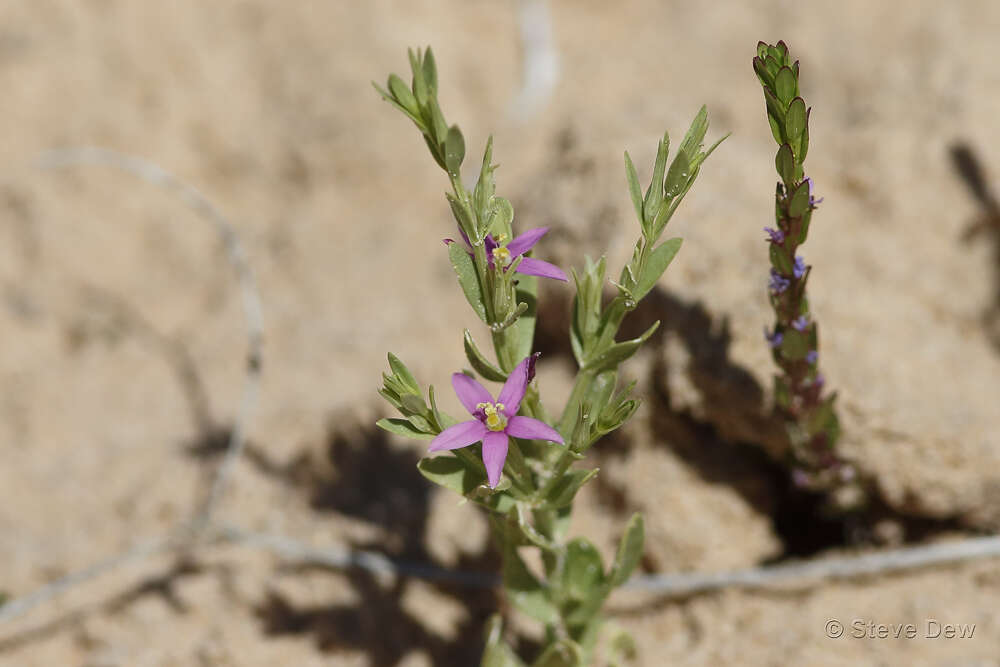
(495, 419)
(501, 256)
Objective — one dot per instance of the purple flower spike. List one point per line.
(799, 269)
(813, 202)
(800, 323)
(494, 420)
(776, 235)
(812, 356)
(778, 283)
(773, 339)
(504, 255)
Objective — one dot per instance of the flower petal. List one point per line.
(465, 237)
(532, 429)
(514, 388)
(536, 267)
(470, 392)
(459, 435)
(494, 455)
(524, 242)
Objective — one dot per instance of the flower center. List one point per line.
(494, 417)
(501, 256)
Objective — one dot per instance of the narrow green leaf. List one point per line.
(780, 260)
(762, 50)
(654, 193)
(501, 216)
(564, 491)
(497, 653)
(402, 427)
(629, 551)
(465, 269)
(452, 473)
(430, 71)
(404, 374)
(412, 404)
(656, 264)
(784, 163)
(695, 136)
(583, 571)
(401, 92)
(799, 203)
(527, 288)
(619, 352)
(775, 126)
(479, 363)
(454, 150)
(633, 187)
(678, 174)
(524, 590)
(795, 121)
(420, 90)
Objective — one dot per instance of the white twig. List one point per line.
(193, 199)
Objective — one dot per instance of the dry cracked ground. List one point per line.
(124, 345)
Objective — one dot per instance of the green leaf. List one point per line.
(794, 345)
(619, 352)
(784, 163)
(501, 216)
(785, 86)
(695, 136)
(454, 149)
(563, 653)
(633, 187)
(404, 374)
(452, 473)
(762, 74)
(402, 427)
(780, 260)
(782, 394)
(497, 653)
(564, 490)
(420, 89)
(479, 363)
(795, 121)
(524, 328)
(629, 551)
(654, 193)
(799, 202)
(775, 125)
(656, 264)
(524, 590)
(583, 571)
(430, 71)
(804, 144)
(678, 174)
(401, 93)
(465, 268)
(413, 404)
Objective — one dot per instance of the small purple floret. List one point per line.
(800, 323)
(519, 245)
(812, 356)
(799, 269)
(776, 235)
(495, 420)
(813, 202)
(773, 339)
(777, 282)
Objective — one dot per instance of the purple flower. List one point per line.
(812, 200)
(776, 235)
(778, 283)
(800, 323)
(504, 254)
(812, 356)
(773, 339)
(494, 420)
(799, 269)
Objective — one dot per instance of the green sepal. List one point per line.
(629, 551)
(402, 427)
(656, 264)
(635, 191)
(479, 363)
(465, 268)
(564, 490)
(501, 216)
(454, 150)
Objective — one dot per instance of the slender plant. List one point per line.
(800, 388)
(509, 455)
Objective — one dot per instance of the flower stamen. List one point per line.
(493, 415)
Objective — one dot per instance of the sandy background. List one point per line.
(123, 344)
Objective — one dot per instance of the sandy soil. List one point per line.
(123, 343)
